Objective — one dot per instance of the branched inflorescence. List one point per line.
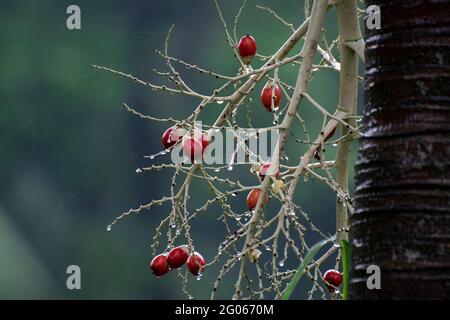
(258, 243)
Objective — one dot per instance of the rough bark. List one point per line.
(402, 210)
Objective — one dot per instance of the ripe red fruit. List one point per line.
(159, 265)
(247, 48)
(171, 136)
(196, 263)
(266, 96)
(194, 145)
(252, 198)
(264, 169)
(205, 142)
(332, 279)
(192, 148)
(177, 257)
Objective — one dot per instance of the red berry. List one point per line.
(332, 279)
(196, 263)
(266, 96)
(171, 136)
(205, 142)
(247, 48)
(177, 257)
(264, 169)
(192, 148)
(159, 265)
(252, 198)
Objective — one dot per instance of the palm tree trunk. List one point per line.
(402, 210)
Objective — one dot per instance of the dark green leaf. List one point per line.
(345, 247)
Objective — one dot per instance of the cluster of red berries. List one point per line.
(332, 279)
(270, 94)
(163, 263)
(193, 144)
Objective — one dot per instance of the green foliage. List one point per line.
(345, 249)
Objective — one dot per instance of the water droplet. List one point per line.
(220, 102)
(281, 263)
(173, 226)
(286, 158)
(216, 170)
(108, 228)
(268, 248)
(139, 170)
(334, 144)
(199, 277)
(234, 194)
(292, 213)
(152, 157)
(230, 168)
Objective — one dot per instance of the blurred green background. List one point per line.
(69, 151)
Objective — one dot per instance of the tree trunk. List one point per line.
(402, 210)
